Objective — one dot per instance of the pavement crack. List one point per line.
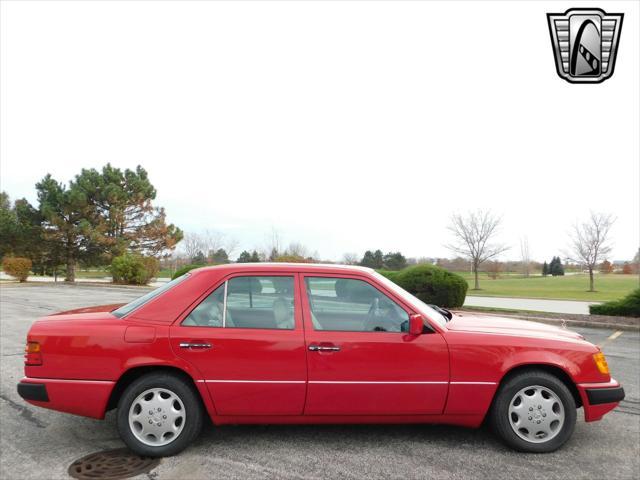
(24, 412)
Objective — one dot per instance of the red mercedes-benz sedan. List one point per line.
(298, 343)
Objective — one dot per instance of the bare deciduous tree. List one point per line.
(472, 236)
(590, 243)
(525, 256)
(273, 247)
(207, 243)
(297, 249)
(192, 244)
(350, 258)
(211, 241)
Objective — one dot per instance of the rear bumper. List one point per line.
(33, 391)
(87, 398)
(600, 398)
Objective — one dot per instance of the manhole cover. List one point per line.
(111, 465)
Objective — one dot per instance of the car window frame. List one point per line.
(297, 303)
(307, 305)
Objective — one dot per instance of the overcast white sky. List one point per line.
(344, 125)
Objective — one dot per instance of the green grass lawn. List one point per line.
(568, 287)
(98, 273)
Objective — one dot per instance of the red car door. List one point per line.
(360, 360)
(246, 339)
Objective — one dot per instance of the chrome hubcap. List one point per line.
(157, 417)
(536, 414)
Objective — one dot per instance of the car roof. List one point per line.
(288, 267)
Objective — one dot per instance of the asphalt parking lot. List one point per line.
(41, 444)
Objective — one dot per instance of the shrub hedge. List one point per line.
(182, 270)
(431, 284)
(628, 306)
(134, 269)
(17, 267)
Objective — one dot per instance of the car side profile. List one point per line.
(301, 343)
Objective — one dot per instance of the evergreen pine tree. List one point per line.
(545, 269)
(245, 257)
(559, 268)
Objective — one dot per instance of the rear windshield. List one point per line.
(138, 302)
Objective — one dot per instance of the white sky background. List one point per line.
(344, 125)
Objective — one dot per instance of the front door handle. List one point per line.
(195, 345)
(323, 348)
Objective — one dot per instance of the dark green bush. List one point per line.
(390, 274)
(431, 284)
(182, 270)
(628, 306)
(133, 269)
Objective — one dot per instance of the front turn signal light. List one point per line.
(32, 355)
(601, 363)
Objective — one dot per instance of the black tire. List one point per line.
(499, 416)
(184, 390)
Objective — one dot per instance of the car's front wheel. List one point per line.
(159, 415)
(534, 411)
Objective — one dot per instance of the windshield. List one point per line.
(138, 302)
(415, 302)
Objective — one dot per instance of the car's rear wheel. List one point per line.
(534, 411)
(159, 415)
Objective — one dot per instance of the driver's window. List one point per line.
(345, 304)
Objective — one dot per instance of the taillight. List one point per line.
(32, 355)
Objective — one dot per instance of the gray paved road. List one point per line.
(37, 443)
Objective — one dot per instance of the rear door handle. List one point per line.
(323, 348)
(195, 345)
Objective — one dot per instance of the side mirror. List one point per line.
(416, 324)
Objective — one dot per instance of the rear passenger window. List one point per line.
(210, 311)
(251, 302)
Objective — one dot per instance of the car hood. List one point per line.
(467, 322)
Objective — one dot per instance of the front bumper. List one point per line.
(600, 398)
(87, 398)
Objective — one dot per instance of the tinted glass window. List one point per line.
(343, 304)
(209, 312)
(252, 302)
(138, 302)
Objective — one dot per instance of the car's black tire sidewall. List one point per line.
(500, 411)
(192, 405)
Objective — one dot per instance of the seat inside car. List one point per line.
(283, 313)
